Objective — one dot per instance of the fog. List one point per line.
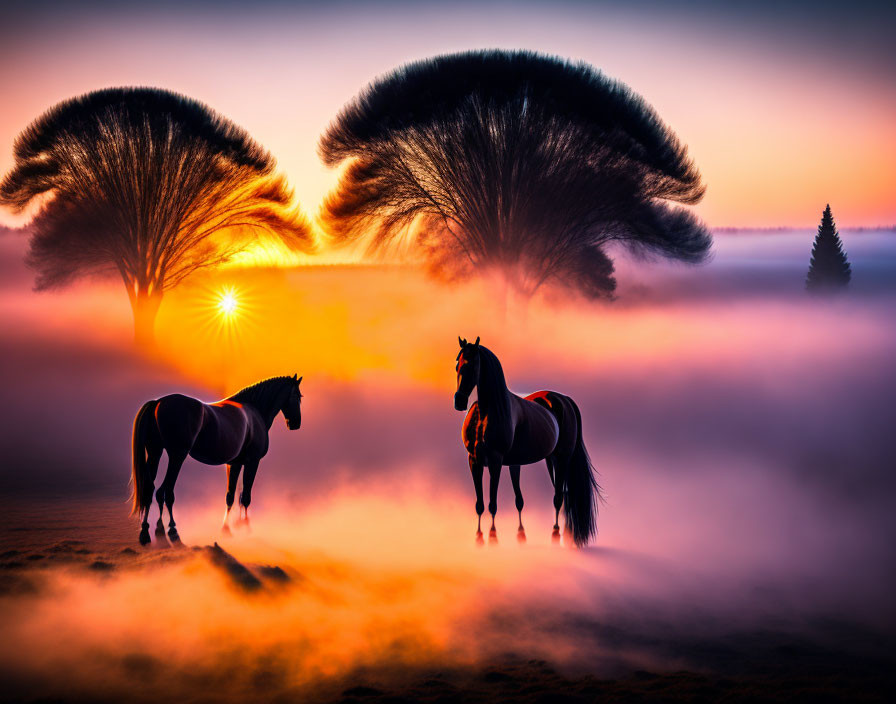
(742, 430)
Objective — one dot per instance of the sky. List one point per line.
(784, 106)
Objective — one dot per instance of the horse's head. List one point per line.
(292, 406)
(467, 372)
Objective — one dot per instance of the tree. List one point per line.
(828, 268)
(147, 184)
(512, 161)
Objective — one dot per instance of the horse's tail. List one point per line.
(144, 427)
(582, 490)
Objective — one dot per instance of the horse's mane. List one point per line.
(492, 385)
(263, 393)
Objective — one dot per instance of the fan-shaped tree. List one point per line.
(511, 160)
(146, 183)
(828, 267)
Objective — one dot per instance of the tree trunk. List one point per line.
(145, 307)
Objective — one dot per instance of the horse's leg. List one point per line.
(559, 476)
(160, 498)
(476, 470)
(175, 462)
(249, 471)
(144, 526)
(515, 480)
(153, 455)
(494, 476)
(233, 474)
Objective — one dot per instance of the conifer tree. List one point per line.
(828, 268)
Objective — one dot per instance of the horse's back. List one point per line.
(210, 433)
(540, 429)
(535, 432)
(563, 409)
(179, 417)
(225, 429)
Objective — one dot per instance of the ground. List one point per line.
(621, 659)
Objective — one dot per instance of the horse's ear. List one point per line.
(461, 341)
(295, 376)
(477, 341)
(300, 380)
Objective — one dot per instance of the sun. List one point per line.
(227, 302)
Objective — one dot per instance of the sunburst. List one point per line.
(228, 302)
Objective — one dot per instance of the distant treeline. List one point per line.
(770, 230)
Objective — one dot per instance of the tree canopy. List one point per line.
(146, 183)
(512, 160)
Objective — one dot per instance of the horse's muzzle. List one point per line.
(460, 402)
(293, 424)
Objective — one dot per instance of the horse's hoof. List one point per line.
(160, 531)
(479, 538)
(555, 536)
(521, 536)
(493, 537)
(144, 537)
(225, 530)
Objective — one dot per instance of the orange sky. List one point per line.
(778, 131)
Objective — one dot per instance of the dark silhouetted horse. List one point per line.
(502, 428)
(232, 432)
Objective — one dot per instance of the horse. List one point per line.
(233, 431)
(502, 428)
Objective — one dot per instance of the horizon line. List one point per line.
(720, 229)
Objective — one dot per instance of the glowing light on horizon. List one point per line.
(218, 314)
(228, 303)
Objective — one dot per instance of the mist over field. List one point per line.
(742, 430)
